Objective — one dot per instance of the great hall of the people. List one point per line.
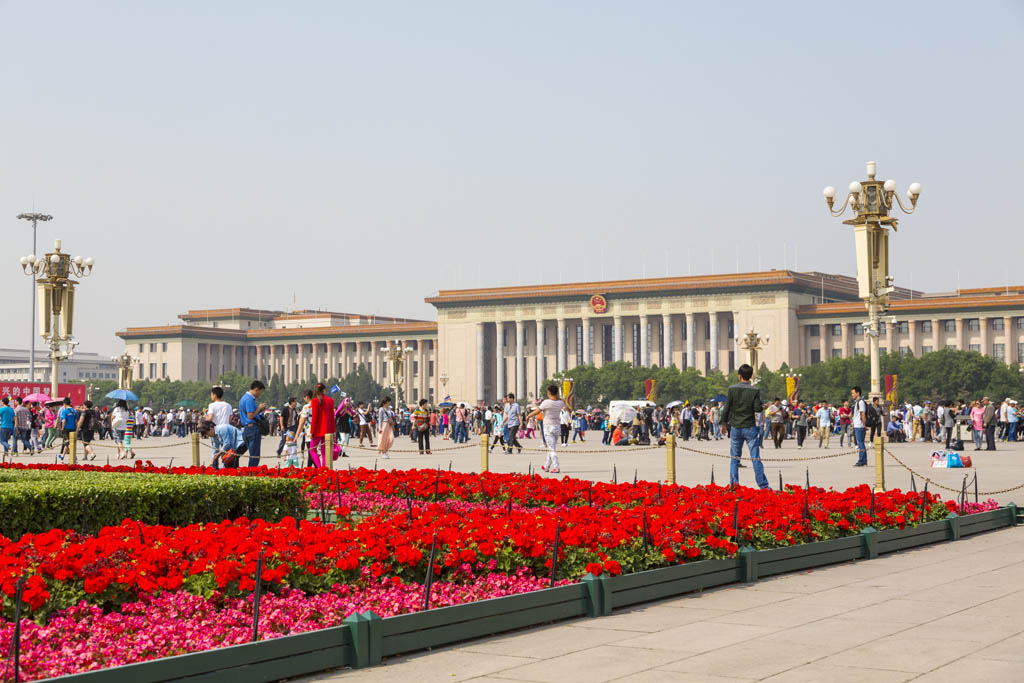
(489, 342)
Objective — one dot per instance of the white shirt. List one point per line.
(221, 411)
(552, 410)
(858, 413)
(565, 417)
(824, 417)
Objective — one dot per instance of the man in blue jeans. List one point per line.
(742, 403)
(857, 419)
(6, 424)
(250, 414)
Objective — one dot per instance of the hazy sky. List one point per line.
(364, 155)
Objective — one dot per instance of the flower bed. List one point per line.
(495, 535)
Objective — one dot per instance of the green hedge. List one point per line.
(34, 501)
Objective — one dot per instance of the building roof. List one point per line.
(833, 286)
(417, 328)
(264, 314)
(937, 305)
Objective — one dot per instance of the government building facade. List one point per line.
(492, 341)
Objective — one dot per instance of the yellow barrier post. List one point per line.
(195, 449)
(329, 451)
(879, 465)
(72, 448)
(670, 455)
(485, 452)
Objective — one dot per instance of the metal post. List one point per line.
(484, 453)
(72, 448)
(195, 449)
(670, 456)
(32, 319)
(329, 450)
(879, 464)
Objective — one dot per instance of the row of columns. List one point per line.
(938, 334)
(518, 379)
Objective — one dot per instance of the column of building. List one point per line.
(520, 391)
(561, 361)
(499, 360)
(1010, 338)
(481, 362)
(960, 345)
(914, 348)
(935, 335)
(713, 315)
(691, 340)
(983, 324)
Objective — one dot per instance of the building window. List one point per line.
(813, 331)
(837, 330)
(384, 370)
(973, 324)
(998, 324)
(903, 327)
(163, 347)
(152, 370)
(815, 356)
(1020, 323)
(858, 350)
(974, 347)
(504, 337)
(163, 370)
(415, 368)
(732, 330)
(837, 353)
(882, 350)
(951, 347)
(606, 343)
(141, 348)
(682, 330)
(636, 345)
(152, 348)
(904, 350)
(579, 344)
(430, 368)
(1020, 348)
(707, 362)
(926, 325)
(881, 327)
(950, 325)
(926, 349)
(999, 351)
(858, 329)
(707, 329)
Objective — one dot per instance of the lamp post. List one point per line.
(397, 355)
(125, 363)
(35, 218)
(444, 385)
(752, 343)
(870, 202)
(56, 289)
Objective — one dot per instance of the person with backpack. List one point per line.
(858, 419)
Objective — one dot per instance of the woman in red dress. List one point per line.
(321, 423)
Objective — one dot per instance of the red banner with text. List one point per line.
(22, 389)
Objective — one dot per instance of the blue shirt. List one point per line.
(6, 417)
(512, 412)
(69, 416)
(245, 406)
(226, 438)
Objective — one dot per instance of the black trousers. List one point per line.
(990, 437)
(423, 439)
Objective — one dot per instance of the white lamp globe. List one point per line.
(890, 185)
(23, 260)
(829, 192)
(89, 262)
(914, 189)
(855, 187)
(54, 259)
(77, 260)
(32, 259)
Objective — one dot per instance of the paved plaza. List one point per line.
(949, 612)
(996, 471)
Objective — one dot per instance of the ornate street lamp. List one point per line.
(53, 274)
(397, 355)
(871, 201)
(125, 363)
(752, 343)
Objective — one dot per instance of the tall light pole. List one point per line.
(870, 201)
(35, 218)
(53, 275)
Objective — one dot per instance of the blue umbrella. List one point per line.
(720, 398)
(118, 394)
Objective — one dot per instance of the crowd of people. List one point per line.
(302, 426)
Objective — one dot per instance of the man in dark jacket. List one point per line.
(988, 420)
(742, 402)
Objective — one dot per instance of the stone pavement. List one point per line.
(997, 470)
(949, 612)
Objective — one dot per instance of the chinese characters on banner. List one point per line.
(892, 387)
(13, 389)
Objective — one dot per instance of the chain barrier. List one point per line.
(134, 447)
(411, 450)
(747, 457)
(946, 488)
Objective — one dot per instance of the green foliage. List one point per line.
(162, 393)
(35, 501)
(945, 374)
